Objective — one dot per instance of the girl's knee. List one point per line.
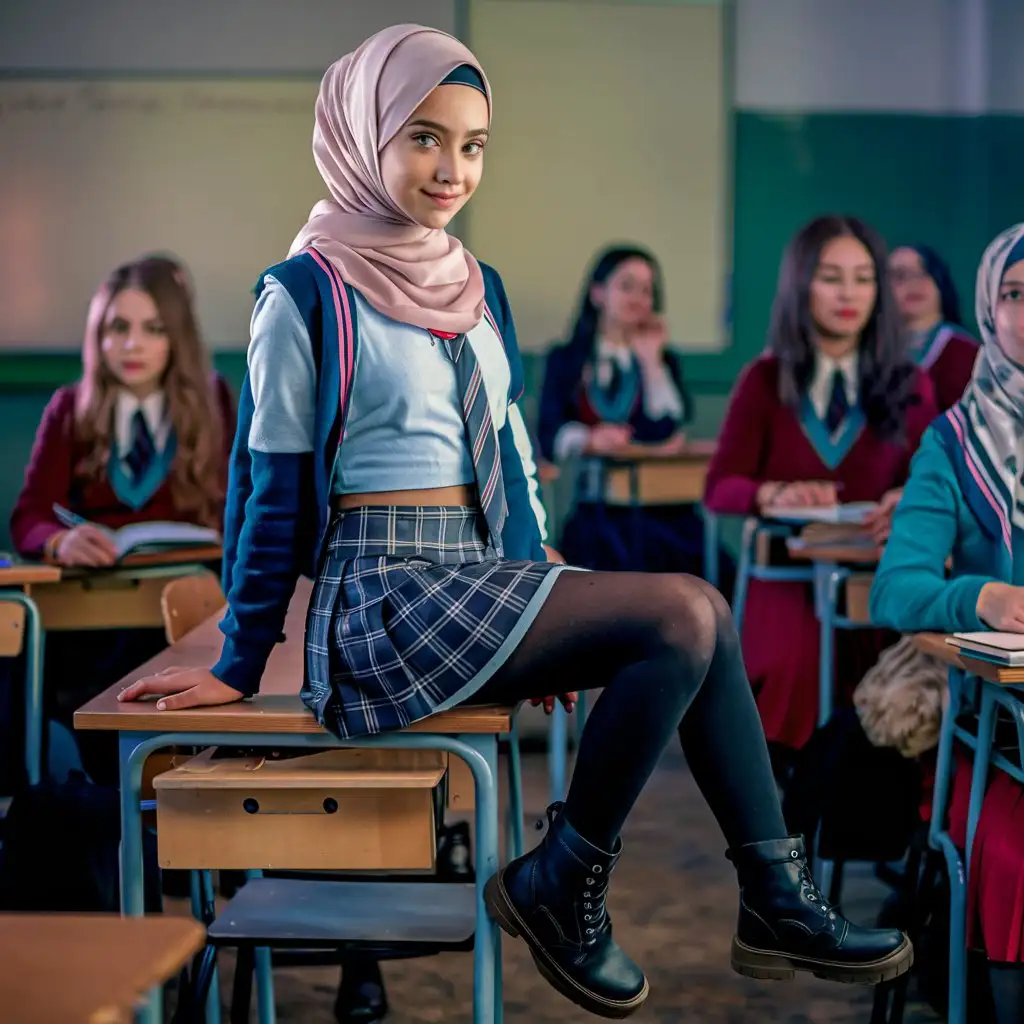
(687, 621)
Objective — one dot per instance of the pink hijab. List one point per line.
(413, 274)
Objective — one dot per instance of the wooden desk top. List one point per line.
(24, 573)
(277, 707)
(859, 554)
(179, 556)
(935, 645)
(693, 451)
(87, 968)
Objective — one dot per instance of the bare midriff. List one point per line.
(462, 495)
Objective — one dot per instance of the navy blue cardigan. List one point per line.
(278, 505)
(559, 403)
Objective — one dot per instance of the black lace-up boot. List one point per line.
(554, 899)
(785, 925)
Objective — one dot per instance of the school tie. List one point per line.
(481, 435)
(140, 454)
(615, 384)
(838, 403)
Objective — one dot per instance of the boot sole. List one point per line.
(505, 914)
(768, 966)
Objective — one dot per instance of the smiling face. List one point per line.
(917, 295)
(843, 293)
(436, 159)
(133, 341)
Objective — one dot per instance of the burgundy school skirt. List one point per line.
(995, 889)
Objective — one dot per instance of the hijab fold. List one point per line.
(988, 422)
(410, 273)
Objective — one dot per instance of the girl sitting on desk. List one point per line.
(964, 501)
(614, 383)
(929, 306)
(831, 412)
(144, 435)
(376, 454)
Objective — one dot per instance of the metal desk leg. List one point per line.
(133, 903)
(33, 685)
(743, 571)
(827, 578)
(487, 995)
(711, 537)
(979, 778)
(558, 739)
(515, 793)
(266, 1010)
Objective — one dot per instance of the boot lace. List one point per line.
(809, 891)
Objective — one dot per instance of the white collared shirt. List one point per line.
(820, 390)
(154, 408)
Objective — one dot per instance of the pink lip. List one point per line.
(847, 314)
(131, 367)
(442, 199)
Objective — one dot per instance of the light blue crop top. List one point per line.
(404, 429)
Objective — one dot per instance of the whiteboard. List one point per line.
(610, 125)
(218, 172)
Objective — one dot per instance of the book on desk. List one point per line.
(147, 537)
(998, 648)
(853, 513)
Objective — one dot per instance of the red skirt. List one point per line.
(995, 889)
(781, 641)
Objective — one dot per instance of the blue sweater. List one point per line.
(932, 523)
(278, 505)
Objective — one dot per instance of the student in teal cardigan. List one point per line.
(965, 501)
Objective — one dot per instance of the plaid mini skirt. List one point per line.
(409, 616)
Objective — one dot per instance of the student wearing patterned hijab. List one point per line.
(964, 502)
(377, 456)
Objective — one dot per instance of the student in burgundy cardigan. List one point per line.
(50, 478)
(929, 305)
(776, 447)
(143, 364)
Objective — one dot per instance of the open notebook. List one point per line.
(1004, 648)
(146, 538)
(853, 513)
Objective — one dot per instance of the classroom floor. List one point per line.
(673, 903)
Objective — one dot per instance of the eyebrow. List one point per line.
(1016, 282)
(836, 266)
(433, 125)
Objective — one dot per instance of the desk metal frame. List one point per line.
(480, 752)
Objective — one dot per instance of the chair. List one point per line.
(188, 602)
(753, 566)
(20, 630)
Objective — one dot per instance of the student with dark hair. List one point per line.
(833, 411)
(928, 303)
(615, 383)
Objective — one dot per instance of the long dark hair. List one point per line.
(938, 270)
(584, 328)
(886, 373)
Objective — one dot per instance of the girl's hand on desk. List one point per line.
(801, 494)
(1001, 607)
(182, 688)
(608, 438)
(675, 445)
(87, 546)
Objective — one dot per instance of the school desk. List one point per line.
(277, 718)
(87, 968)
(977, 690)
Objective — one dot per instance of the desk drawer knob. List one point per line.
(330, 805)
(250, 806)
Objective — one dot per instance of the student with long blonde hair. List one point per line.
(143, 435)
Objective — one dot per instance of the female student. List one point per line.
(407, 500)
(832, 412)
(929, 306)
(963, 502)
(616, 382)
(145, 434)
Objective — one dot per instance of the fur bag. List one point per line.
(900, 701)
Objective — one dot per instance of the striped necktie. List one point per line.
(143, 450)
(480, 434)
